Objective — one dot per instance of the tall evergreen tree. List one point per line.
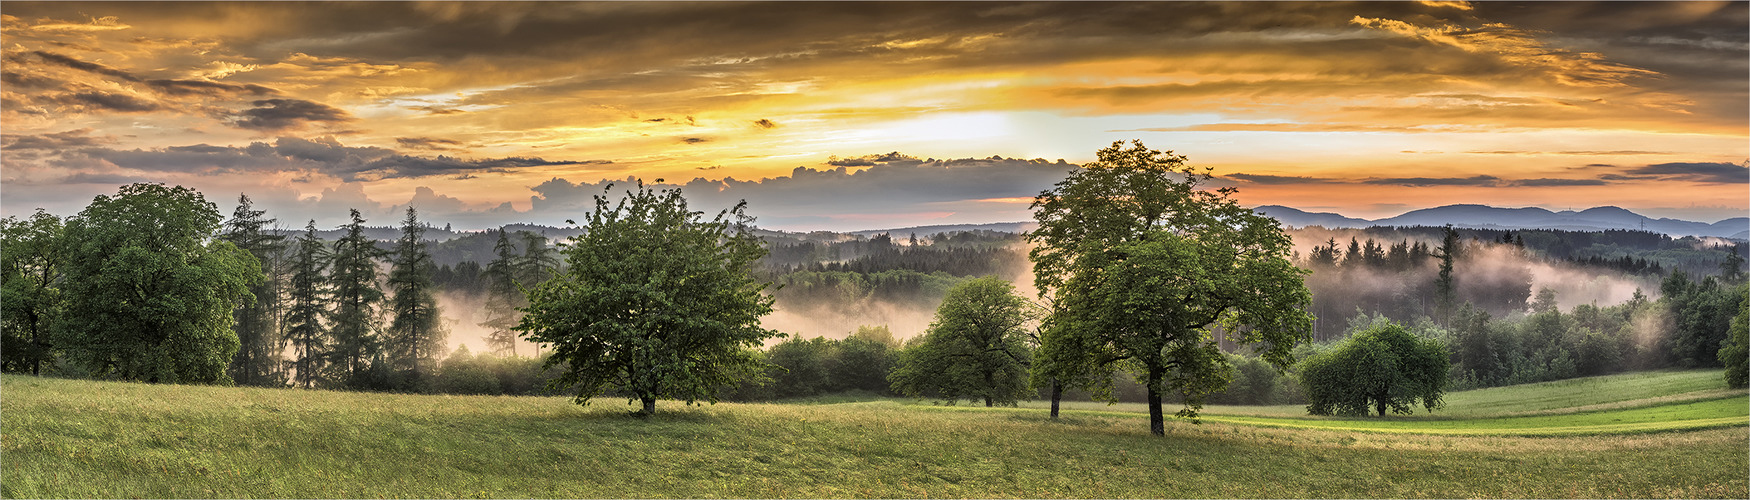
(503, 298)
(307, 298)
(260, 345)
(1445, 293)
(416, 333)
(353, 276)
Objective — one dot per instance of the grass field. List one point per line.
(66, 438)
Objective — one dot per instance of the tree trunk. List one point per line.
(1380, 404)
(1056, 396)
(987, 401)
(649, 405)
(1157, 423)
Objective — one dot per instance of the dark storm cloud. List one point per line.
(1479, 180)
(869, 160)
(79, 138)
(428, 143)
(202, 87)
(283, 114)
(1557, 182)
(104, 101)
(1276, 179)
(325, 155)
(171, 87)
(1719, 173)
(90, 67)
(31, 81)
(905, 184)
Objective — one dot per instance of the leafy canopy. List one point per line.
(1144, 266)
(149, 290)
(975, 349)
(1383, 367)
(30, 289)
(655, 301)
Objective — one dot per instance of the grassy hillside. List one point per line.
(65, 438)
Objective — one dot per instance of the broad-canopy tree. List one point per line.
(656, 302)
(416, 333)
(1383, 367)
(1735, 352)
(1143, 267)
(975, 349)
(31, 258)
(260, 346)
(149, 289)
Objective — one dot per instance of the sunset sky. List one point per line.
(869, 115)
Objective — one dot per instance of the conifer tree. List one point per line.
(416, 334)
(307, 298)
(257, 323)
(353, 276)
(502, 297)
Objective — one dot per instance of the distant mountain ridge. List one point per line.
(1487, 217)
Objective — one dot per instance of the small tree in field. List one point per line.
(1383, 367)
(1142, 267)
(976, 348)
(656, 301)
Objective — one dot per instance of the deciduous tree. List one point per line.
(1383, 367)
(149, 290)
(975, 349)
(656, 301)
(1144, 267)
(31, 260)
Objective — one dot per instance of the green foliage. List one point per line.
(1735, 351)
(416, 333)
(1702, 313)
(508, 275)
(356, 297)
(1143, 267)
(149, 291)
(307, 298)
(1383, 367)
(975, 349)
(655, 301)
(260, 344)
(805, 367)
(31, 262)
(865, 359)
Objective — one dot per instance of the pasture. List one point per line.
(1661, 434)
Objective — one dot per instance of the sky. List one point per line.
(866, 115)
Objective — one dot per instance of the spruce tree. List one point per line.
(416, 333)
(257, 323)
(353, 275)
(502, 297)
(307, 298)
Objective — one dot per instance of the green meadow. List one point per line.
(1654, 434)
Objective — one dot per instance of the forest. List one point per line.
(349, 311)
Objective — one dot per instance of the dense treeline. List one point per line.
(173, 292)
(149, 285)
